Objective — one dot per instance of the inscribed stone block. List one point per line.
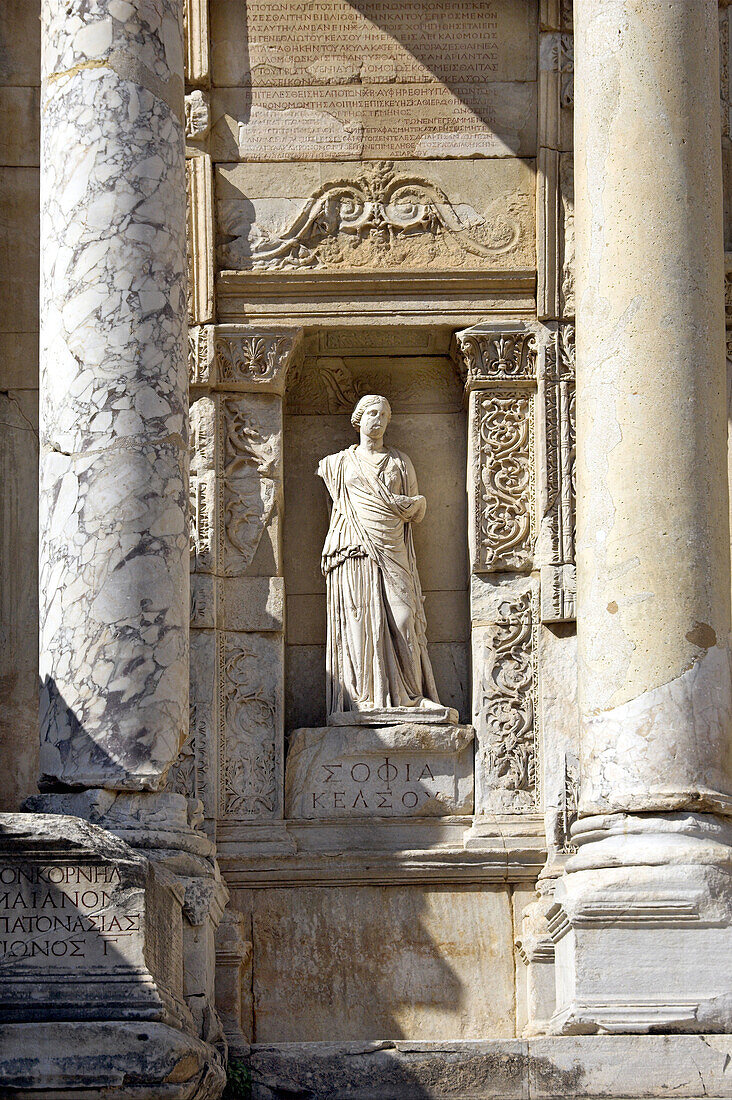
(89, 928)
(398, 771)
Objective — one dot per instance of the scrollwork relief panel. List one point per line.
(251, 743)
(503, 528)
(505, 706)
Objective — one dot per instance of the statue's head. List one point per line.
(371, 415)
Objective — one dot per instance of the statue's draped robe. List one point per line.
(377, 646)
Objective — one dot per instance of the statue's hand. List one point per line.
(413, 508)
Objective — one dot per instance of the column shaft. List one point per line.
(653, 558)
(113, 418)
(643, 913)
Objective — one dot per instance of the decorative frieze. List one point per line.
(387, 217)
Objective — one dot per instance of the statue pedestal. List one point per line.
(413, 769)
(395, 716)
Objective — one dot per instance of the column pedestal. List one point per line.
(642, 926)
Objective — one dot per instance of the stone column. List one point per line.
(114, 533)
(113, 407)
(644, 912)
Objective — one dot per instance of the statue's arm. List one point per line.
(419, 504)
(326, 469)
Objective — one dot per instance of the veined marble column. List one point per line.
(644, 912)
(113, 419)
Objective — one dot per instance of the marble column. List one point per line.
(113, 416)
(643, 914)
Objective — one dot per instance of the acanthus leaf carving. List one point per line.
(258, 359)
(500, 356)
(384, 217)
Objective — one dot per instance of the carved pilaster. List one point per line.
(499, 365)
(233, 990)
(233, 759)
(556, 460)
(199, 233)
(197, 51)
(555, 169)
(504, 702)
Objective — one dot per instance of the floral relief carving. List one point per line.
(249, 714)
(384, 217)
(322, 385)
(503, 448)
(487, 356)
(257, 358)
(507, 709)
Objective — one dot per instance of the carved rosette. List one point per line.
(505, 707)
(499, 366)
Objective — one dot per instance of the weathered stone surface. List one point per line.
(413, 214)
(405, 770)
(380, 41)
(363, 962)
(602, 1066)
(18, 596)
(127, 1061)
(113, 423)
(89, 928)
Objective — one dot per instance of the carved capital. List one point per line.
(254, 360)
(490, 354)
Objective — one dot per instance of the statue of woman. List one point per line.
(376, 657)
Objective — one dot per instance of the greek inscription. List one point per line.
(60, 912)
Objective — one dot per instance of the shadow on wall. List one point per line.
(369, 962)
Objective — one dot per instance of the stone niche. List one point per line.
(429, 423)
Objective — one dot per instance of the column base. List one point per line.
(642, 926)
(164, 828)
(121, 1061)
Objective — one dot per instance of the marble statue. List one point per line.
(377, 664)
